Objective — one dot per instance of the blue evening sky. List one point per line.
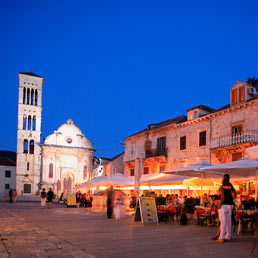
(116, 66)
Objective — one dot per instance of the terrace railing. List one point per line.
(156, 153)
(235, 139)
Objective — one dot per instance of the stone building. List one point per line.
(114, 165)
(108, 167)
(63, 160)
(28, 134)
(205, 134)
(66, 158)
(7, 175)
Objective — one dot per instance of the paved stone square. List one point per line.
(28, 231)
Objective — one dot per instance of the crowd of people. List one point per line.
(84, 199)
(243, 202)
(46, 197)
(223, 204)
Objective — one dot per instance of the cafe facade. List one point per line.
(203, 134)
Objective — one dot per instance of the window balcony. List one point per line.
(235, 139)
(155, 153)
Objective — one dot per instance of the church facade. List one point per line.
(62, 161)
(66, 158)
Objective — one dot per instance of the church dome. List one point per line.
(69, 128)
(69, 135)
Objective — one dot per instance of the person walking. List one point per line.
(50, 197)
(110, 196)
(227, 193)
(14, 195)
(11, 195)
(43, 196)
(118, 204)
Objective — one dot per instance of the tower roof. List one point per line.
(31, 74)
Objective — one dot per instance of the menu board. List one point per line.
(148, 210)
(71, 200)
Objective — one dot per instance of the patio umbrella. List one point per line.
(194, 170)
(147, 177)
(165, 179)
(241, 168)
(196, 181)
(115, 180)
(120, 180)
(252, 152)
(97, 181)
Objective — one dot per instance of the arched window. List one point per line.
(84, 172)
(25, 146)
(24, 96)
(29, 123)
(28, 96)
(32, 96)
(34, 124)
(31, 147)
(36, 97)
(50, 175)
(24, 122)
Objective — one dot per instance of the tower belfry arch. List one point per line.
(28, 165)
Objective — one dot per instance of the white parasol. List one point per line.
(241, 168)
(194, 170)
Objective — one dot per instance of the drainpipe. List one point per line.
(210, 136)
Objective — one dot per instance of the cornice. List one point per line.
(66, 147)
(197, 120)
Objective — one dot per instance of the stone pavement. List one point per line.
(76, 232)
(22, 239)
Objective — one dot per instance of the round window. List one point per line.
(69, 140)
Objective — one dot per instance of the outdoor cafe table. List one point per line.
(200, 210)
(168, 212)
(203, 213)
(172, 208)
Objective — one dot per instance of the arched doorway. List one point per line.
(67, 183)
(58, 188)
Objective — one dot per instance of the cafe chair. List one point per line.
(255, 231)
(234, 220)
(163, 216)
(247, 221)
(204, 219)
(162, 213)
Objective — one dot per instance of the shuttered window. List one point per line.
(183, 143)
(202, 138)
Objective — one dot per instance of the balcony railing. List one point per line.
(155, 153)
(235, 139)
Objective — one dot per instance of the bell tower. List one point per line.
(28, 161)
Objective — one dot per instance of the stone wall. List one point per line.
(217, 124)
(115, 166)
